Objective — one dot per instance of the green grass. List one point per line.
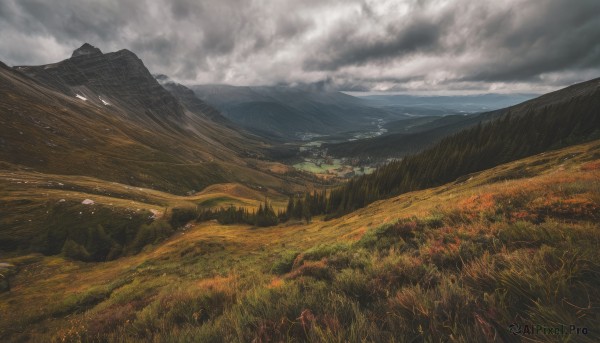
(459, 263)
(313, 168)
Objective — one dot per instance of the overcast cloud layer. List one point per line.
(360, 45)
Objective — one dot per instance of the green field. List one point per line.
(324, 168)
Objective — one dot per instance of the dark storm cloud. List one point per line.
(344, 48)
(512, 45)
(553, 36)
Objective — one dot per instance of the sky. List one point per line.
(406, 46)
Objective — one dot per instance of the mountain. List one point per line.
(118, 80)
(554, 120)
(286, 111)
(106, 116)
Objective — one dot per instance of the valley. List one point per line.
(335, 155)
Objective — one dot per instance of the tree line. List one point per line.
(299, 208)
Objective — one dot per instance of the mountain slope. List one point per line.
(290, 111)
(118, 80)
(38, 211)
(187, 97)
(432, 118)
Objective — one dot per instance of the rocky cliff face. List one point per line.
(118, 79)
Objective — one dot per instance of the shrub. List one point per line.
(75, 251)
(150, 234)
(284, 314)
(384, 237)
(395, 270)
(285, 263)
(525, 234)
(355, 284)
(181, 307)
(433, 221)
(482, 273)
(317, 270)
(98, 243)
(324, 250)
(423, 315)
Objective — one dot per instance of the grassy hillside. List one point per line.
(461, 262)
(40, 211)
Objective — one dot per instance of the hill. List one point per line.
(39, 211)
(465, 260)
(487, 231)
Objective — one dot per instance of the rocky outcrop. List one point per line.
(118, 79)
(86, 49)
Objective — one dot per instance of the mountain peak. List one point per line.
(86, 49)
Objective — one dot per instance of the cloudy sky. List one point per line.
(375, 45)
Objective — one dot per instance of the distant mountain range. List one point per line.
(291, 112)
(303, 112)
(110, 118)
(443, 105)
